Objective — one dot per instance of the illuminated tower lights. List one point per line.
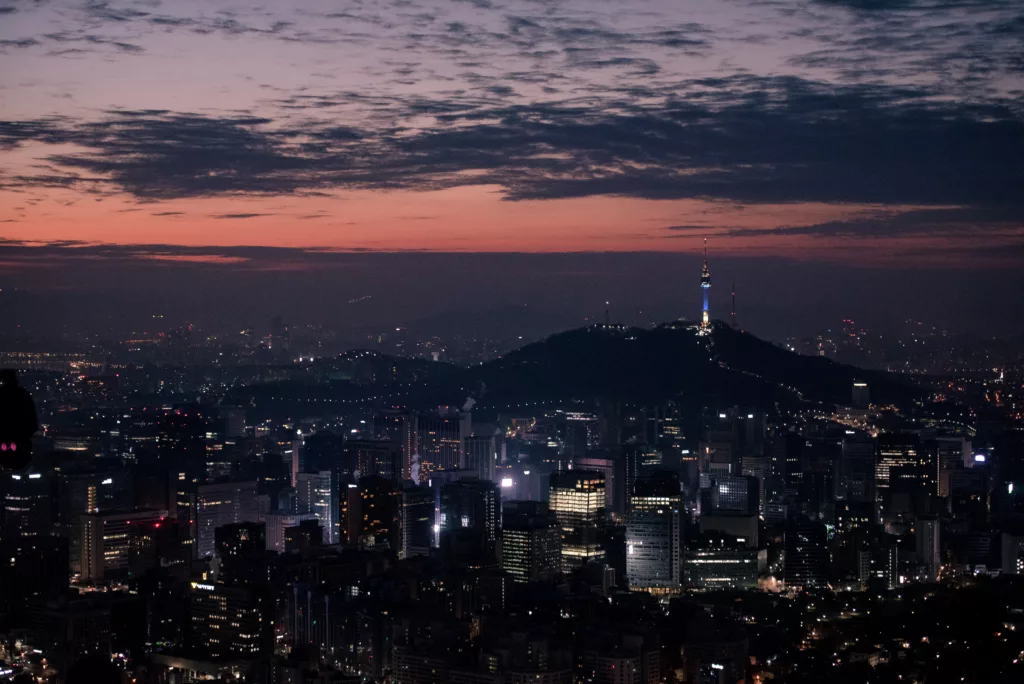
(705, 286)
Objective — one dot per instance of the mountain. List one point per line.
(670, 360)
(603, 362)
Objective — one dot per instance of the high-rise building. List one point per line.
(654, 534)
(219, 504)
(611, 463)
(277, 523)
(26, 504)
(861, 395)
(374, 513)
(481, 451)
(439, 439)
(106, 542)
(531, 543)
(317, 493)
(877, 565)
(240, 541)
(165, 545)
(719, 561)
(90, 490)
(183, 436)
(398, 427)
(229, 621)
(305, 535)
(857, 468)
(734, 494)
(376, 457)
(472, 506)
(806, 560)
(417, 519)
(577, 500)
(34, 569)
(929, 551)
(905, 464)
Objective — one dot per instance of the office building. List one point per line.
(905, 464)
(317, 493)
(418, 516)
(715, 561)
(165, 545)
(241, 550)
(472, 506)
(106, 542)
(732, 495)
(98, 490)
(577, 500)
(861, 395)
(374, 514)
(806, 560)
(34, 569)
(375, 458)
(26, 500)
(654, 534)
(481, 449)
(929, 550)
(277, 523)
(857, 472)
(219, 504)
(877, 566)
(531, 542)
(306, 535)
(230, 622)
(439, 439)
(398, 427)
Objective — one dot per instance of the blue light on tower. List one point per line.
(705, 286)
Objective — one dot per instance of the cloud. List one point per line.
(937, 222)
(238, 216)
(18, 43)
(742, 138)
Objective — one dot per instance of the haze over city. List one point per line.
(860, 140)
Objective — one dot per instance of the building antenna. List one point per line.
(607, 314)
(735, 327)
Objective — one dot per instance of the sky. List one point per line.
(803, 135)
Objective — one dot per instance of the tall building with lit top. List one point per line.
(705, 288)
(577, 500)
(654, 534)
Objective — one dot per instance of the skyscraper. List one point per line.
(531, 543)
(926, 530)
(577, 500)
(439, 436)
(472, 505)
(26, 504)
(380, 457)
(106, 541)
(417, 518)
(806, 560)
(719, 561)
(219, 504)
(317, 493)
(654, 534)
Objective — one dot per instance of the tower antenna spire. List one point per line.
(705, 285)
(735, 327)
